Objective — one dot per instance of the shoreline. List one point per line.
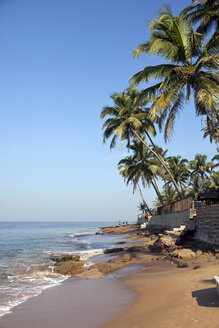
(90, 294)
(164, 292)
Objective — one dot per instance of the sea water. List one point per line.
(26, 249)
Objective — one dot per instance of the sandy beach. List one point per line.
(160, 294)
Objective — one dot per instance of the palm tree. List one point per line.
(145, 168)
(169, 195)
(216, 158)
(214, 180)
(129, 119)
(196, 185)
(190, 66)
(179, 169)
(201, 167)
(212, 131)
(143, 207)
(206, 12)
(124, 166)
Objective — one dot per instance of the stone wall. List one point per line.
(171, 220)
(207, 225)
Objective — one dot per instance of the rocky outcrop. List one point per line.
(68, 265)
(163, 242)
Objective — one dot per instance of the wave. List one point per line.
(89, 232)
(24, 287)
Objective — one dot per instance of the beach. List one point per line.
(158, 292)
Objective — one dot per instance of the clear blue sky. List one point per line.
(60, 61)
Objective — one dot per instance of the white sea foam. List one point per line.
(85, 255)
(27, 286)
(91, 231)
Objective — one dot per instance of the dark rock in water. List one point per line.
(66, 258)
(182, 265)
(121, 242)
(113, 250)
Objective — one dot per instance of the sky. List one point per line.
(60, 61)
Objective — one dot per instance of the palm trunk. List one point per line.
(154, 184)
(161, 160)
(140, 192)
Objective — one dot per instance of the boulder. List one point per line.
(162, 243)
(184, 253)
(198, 253)
(70, 268)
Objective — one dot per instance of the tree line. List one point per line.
(187, 46)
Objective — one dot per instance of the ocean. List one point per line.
(26, 248)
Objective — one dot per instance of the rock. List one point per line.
(113, 250)
(70, 268)
(198, 253)
(66, 258)
(106, 268)
(163, 242)
(197, 267)
(121, 242)
(136, 248)
(184, 253)
(124, 258)
(182, 265)
(93, 273)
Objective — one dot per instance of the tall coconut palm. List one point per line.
(129, 118)
(204, 12)
(200, 167)
(196, 185)
(214, 181)
(169, 195)
(124, 166)
(216, 158)
(179, 169)
(211, 130)
(143, 207)
(145, 168)
(190, 66)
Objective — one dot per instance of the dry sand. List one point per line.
(172, 297)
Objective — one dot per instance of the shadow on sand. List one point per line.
(207, 297)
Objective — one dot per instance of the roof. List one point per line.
(208, 195)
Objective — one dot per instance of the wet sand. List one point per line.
(76, 303)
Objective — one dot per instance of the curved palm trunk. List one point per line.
(140, 192)
(154, 184)
(161, 160)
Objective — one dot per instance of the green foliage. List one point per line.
(192, 65)
(188, 47)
